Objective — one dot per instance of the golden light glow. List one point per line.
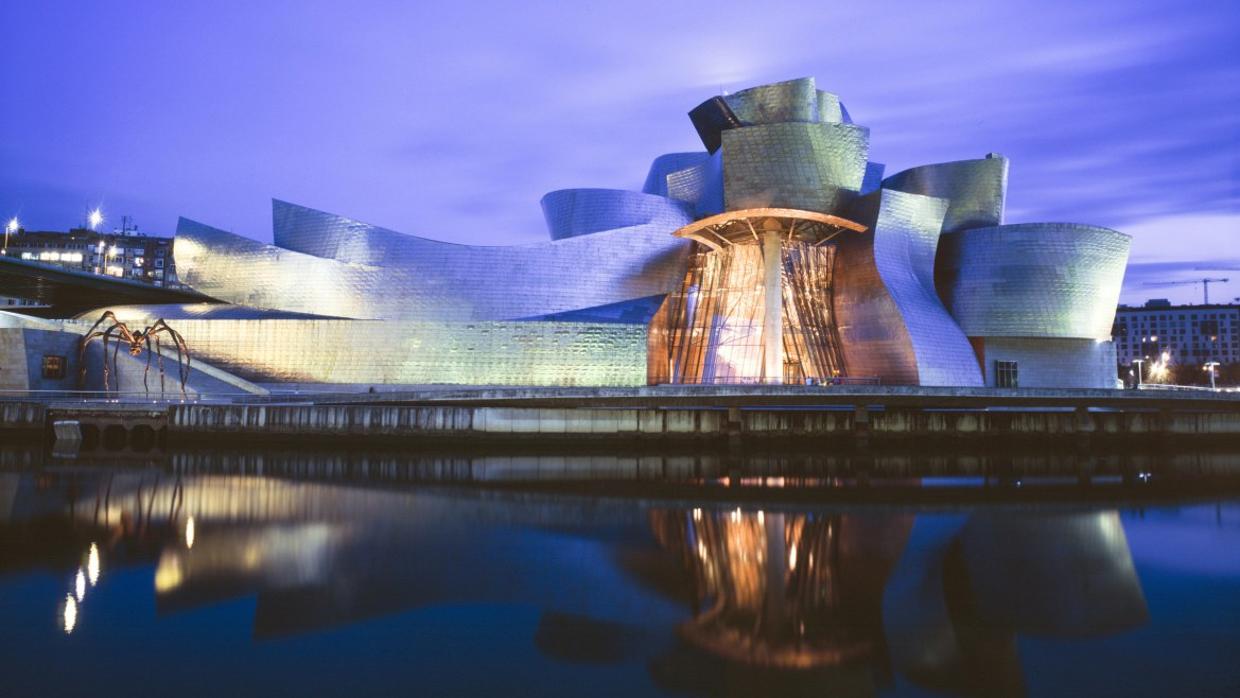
(168, 575)
(92, 564)
(69, 615)
(747, 309)
(79, 584)
(189, 532)
(792, 557)
(1160, 370)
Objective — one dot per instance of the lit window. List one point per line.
(53, 367)
(1006, 374)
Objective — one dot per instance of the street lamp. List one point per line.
(1211, 367)
(1138, 362)
(94, 219)
(10, 229)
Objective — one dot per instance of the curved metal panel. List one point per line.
(873, 179)
(1033, 279)
(891, 321)
(906, 237)
(149, 313)
(974, 189)
(711, 118)
(328, 265)
(779, 102)
(700, 185)
(419, 352)
(830, 109)
(810, 166)
(248, 272)
(573, 212)
(666, 164)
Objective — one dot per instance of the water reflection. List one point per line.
(784, 590)
(705, 597)
(962, 595)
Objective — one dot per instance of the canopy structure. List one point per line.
(748, 225)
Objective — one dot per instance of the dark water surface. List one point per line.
(199, 574)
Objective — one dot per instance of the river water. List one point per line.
(351, 574)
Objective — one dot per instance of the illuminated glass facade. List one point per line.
(755, 303)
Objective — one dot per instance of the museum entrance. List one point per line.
(756, 302)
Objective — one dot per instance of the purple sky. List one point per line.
(450, 121)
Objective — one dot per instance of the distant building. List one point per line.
(1191, 334)
(124, 254)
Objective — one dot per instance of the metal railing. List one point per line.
(127, 397)
(807, 380)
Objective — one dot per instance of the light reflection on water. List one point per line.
(307, 584)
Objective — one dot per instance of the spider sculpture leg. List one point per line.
(183, 354)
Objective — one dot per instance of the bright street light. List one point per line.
(1211, 367)
(94, 219)
(9, 229)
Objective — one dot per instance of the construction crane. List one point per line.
(1205, 285)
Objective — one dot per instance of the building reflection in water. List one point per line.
(963, 594)
(812, 602)
(713, 600)
(785, 590)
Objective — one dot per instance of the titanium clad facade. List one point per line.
(1033, 280)
(407, 352)
(891, 323)
(573, 212)
(664, 165)
(1043, 362)
(780, 102)
(974, 189)
(873, 179)
(701, 186)
(246, 272)
(830, 110)
(906, 236)
(366, 272)
(819, 268)
(807, 166)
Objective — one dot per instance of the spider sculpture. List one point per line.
(137, 343)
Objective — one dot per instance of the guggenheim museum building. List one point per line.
(777, 253)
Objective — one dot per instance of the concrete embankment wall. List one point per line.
(279, 421)
(22, 416)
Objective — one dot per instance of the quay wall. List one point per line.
(22, 416)
(278, 421)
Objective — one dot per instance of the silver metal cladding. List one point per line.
(974, 189)
(1033, 279)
